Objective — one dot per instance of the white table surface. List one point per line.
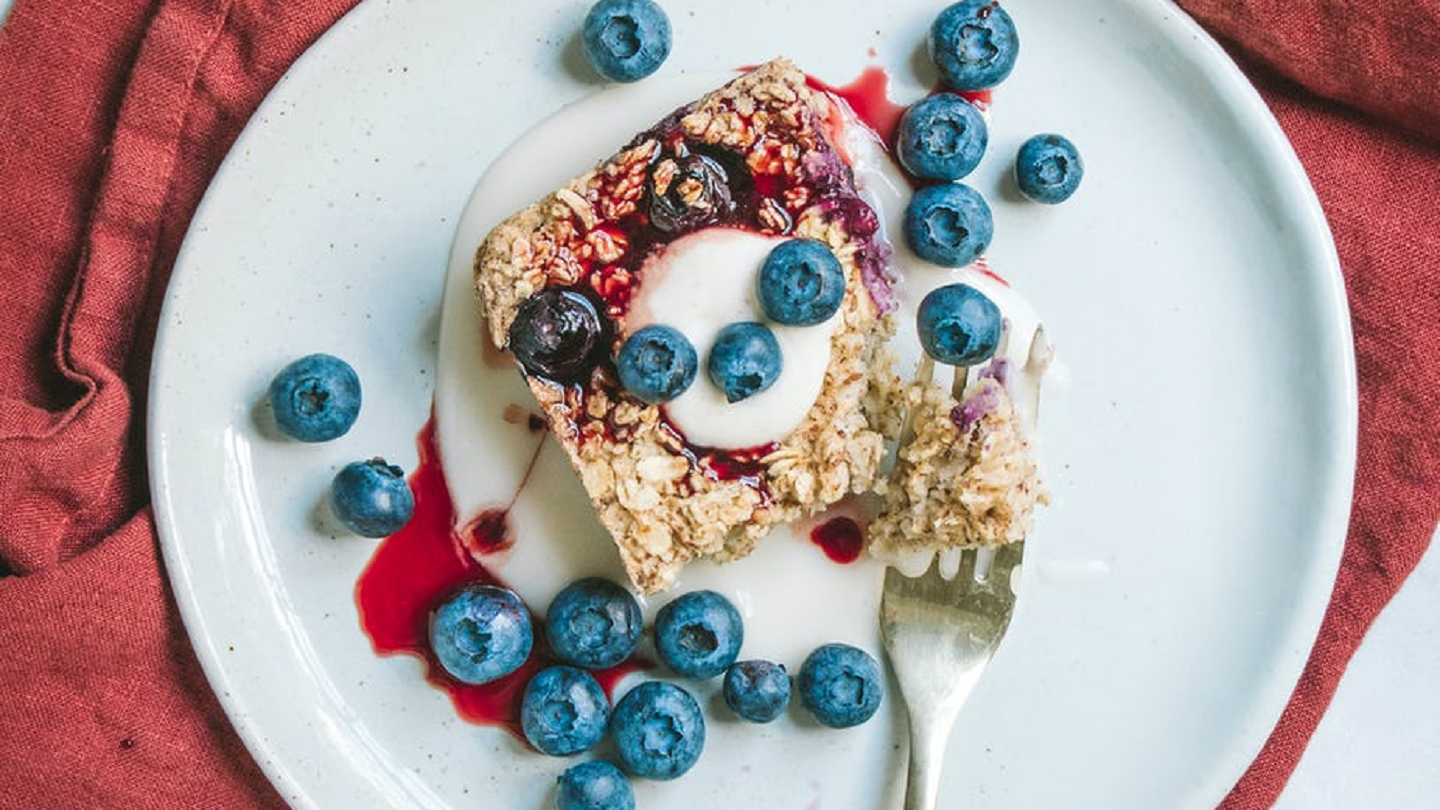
(1379, 743)
(1378, 746)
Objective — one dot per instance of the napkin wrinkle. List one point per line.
(1381, 57)
(1376, 185)
(116, 115)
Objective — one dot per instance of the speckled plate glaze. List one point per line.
(1200, 453)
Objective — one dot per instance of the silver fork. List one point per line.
(940, 635)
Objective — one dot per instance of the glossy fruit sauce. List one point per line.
(842, 539)
(419, 566)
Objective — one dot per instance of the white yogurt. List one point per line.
(701, 283)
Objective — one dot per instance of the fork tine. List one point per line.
(966, 571)
(948, 562)
(1009, 555)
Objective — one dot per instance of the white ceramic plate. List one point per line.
(1201, 455)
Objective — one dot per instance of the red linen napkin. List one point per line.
(113, 117)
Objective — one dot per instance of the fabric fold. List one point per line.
(115, 115)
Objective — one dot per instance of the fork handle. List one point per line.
(928, 736)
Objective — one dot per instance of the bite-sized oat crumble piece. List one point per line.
(967, 479)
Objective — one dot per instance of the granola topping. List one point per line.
(754, 159)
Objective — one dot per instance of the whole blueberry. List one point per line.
(949, 225)
(555, 334)
(593, 623)
(758, 691)
(372, 498)
(699, 634)
(744, 360)
(315, 398)
(657, 363)
(958, 325)
(840, 685)
(594, 785)
(974, 44)
(801, 283)
(659, 730)
(481, 633)
(942, 137)
(1048, 168)
(626, 40)
(564, 711)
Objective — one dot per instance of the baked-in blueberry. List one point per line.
(626, 40)
(695, 188)
(372, 498)
(699, 634)
(974, 44)
(657, 363)
(564, 711)
(958, 325)
(594, 785)
(744, 360)
(941, 137)
(1048, 168)
(481, 633)
(593, 623)
(758, 691)
(949, 225)
(801, 283)
(840, 685)
(659, 730)
(315, 398)
(555, 334)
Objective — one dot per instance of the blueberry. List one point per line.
(657, 364)
(564, 711)
(481, 633)
(1048, 168)
(555, 334)
(659, 730)
(626, 40)
(758, 691)
(949, 224)
(699, 634)
(593, 623)
(840, 685)
(801, 283)
(372, 498)
(974, 44)
(594, 785)
(316, 398)
(958, 325)
(744, 360)
(694, 188)
(941, 137)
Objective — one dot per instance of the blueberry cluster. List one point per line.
(800, 284)
(699, 635)
(317, 399)
(943, 137)
(483, 632)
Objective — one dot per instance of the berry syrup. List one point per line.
(423, 563)
(841, 538)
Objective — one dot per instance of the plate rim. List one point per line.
(1240, 97)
